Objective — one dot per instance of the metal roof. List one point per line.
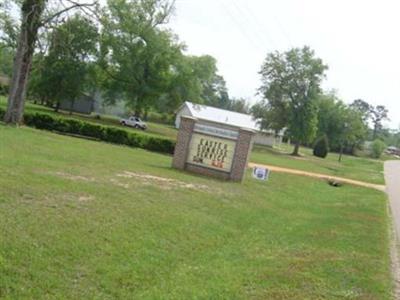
(223, 116)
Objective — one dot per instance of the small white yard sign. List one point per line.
(260, 173)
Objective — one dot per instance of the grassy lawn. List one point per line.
(352, 167)
(88, 220)
(153, 129)
(364, 169)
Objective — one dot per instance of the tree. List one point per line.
(215, 92)
(8, 40)
(212, 86)
(62, 74)
(378, 147)
(290, 84)
(352, 130)
(196, 78)
(32, 19)
(183, 84)
(392, 137)
(362, 107)
(6, 58)
(137, 52)
(343, 124)
(239, 105)
(144, 63)
(271, 114)
(31, 11)
(321, 147)
(8, 27)
(331, 117)
(378, 115)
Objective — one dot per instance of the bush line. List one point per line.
(104, 133)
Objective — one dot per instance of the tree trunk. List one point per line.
(71, 107)
(341, 153)
(296, 148)
(138, 110)
(16, 98)
(31, 14)
(375, 133)
(57, 107)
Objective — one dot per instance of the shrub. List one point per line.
(377, 148)
(115, 135)
(321, 147)
(134, 140)
(73, 126)
(92, 130)
(104, 133)
(40, 121)
(159, 145)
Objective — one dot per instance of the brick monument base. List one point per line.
(212, 149)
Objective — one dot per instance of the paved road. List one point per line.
(392, 178)
(320, 176)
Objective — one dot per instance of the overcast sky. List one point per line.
(358, 39)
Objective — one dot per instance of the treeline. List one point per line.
(123, 51)
(293, 99)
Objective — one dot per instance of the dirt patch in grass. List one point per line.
(297, 157)
(119, 183)
(54, 200)
(74, 177)
(127, 179)
(86, 198)
(161, 182)
(68, 197)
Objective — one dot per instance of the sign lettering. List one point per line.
(211, 152)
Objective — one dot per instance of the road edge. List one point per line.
(394, 255)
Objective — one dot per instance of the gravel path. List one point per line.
(321, 176)
(392, 178)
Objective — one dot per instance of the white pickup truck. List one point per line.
(134, 122)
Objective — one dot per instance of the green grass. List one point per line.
(358, 168)
(364, 169)
(154, 129)
(75, 226)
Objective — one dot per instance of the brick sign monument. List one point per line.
(212, 149)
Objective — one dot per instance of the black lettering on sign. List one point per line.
(212, 152)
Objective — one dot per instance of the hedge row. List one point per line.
(104, 133)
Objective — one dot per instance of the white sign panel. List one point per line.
(215, 131)
(211, 152)
(260, 173)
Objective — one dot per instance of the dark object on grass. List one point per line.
(321, 147)
(334, 183)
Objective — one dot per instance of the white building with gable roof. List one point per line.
(230, 119)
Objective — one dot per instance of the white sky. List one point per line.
(358, 39)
